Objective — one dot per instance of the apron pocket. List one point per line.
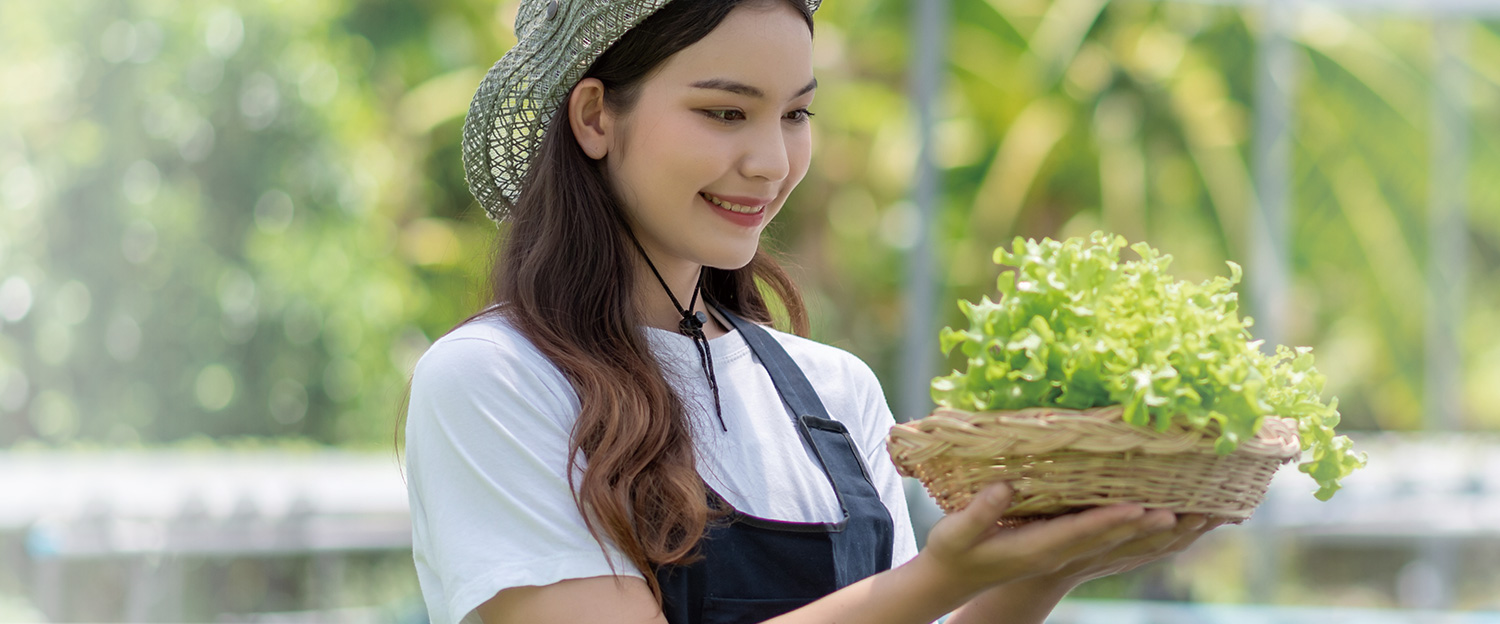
(748, 610)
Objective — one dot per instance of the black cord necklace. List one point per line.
(691, 325)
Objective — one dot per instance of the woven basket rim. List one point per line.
(1277, 436)
(1061, 459)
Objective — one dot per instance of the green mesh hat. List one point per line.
(557, 41)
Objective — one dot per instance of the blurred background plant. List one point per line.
(247, 219)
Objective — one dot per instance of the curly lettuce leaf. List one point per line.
(1077, 326)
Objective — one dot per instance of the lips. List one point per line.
(741, 205)
(726, 207)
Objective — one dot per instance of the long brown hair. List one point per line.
(565, 277)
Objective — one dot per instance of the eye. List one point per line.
(725, 115)
(800, 115)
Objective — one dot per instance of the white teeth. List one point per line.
(731, 206)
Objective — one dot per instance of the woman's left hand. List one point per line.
(1185, 529)
(1030, 600)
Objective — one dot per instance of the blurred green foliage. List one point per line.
(248, 218)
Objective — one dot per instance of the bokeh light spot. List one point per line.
(15, 389)
(260, 100)
(19, 188)
(122, 338)
(341, 379)
(318, 84)
(54, 416)
(274, 211)
(118, 42)
(53, 342)
(196, 141)
(71, 304)
(237, 296)
(138, 241)
(899, 226)
(141, 182)
(214, 387)
(288, 401)
(15, 299)
(223, 32)
(430, 242)
(148, 40)
(301, 321)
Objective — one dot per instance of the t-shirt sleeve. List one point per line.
(878, 459)
(486, 450)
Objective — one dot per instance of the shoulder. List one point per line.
(824, 361)
(488, 358)
(848, 387)
(483, 346)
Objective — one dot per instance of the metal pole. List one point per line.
(1270, 242)
(919, 352)
(1447, 250)
(1269, 276)
(1447, 232)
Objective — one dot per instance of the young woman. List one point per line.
(620, 437)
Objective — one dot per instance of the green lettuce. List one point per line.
(1077, 327)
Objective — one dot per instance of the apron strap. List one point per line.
(785, 374)
(829, 439)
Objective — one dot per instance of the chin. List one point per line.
(730, 259)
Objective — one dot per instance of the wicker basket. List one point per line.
(1060, 461)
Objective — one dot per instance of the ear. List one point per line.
(590, 118)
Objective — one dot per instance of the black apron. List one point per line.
(754, 569)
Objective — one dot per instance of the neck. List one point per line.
(656, 308)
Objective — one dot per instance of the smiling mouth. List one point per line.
(731, 206)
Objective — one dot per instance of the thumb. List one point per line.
(983, 512)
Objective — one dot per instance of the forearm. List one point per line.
(913, 593)
(1028, 601)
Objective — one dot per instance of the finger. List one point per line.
(1188, 530)
(1184, 524)
(1158, 520)
(1063, 536)
(1159, 533)
(1152, 529)
(1209, 523)
(1189, 523)
(1092, 523)
(1152, 525)
(1151, 544)
(982, 514)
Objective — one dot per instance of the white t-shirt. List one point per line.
(487, 440)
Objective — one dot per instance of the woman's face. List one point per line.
(721, 122)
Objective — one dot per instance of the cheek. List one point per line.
(799, 153)
(675, 152)
(799, 158)
(698, 147)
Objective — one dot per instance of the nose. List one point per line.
(765, 154)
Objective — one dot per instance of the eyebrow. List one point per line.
(740, 88)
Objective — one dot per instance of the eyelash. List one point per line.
(803, 115)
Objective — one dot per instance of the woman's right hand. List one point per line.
(969, 549)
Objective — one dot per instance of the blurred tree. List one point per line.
(212, 225)
(249, 218)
